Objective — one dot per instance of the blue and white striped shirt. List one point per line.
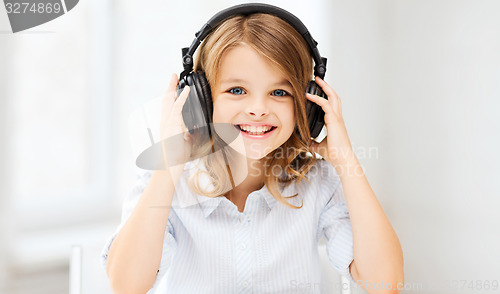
(211, 247)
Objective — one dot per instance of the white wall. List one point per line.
(421, 81)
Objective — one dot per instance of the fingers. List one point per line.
(325, 105)
(170, 94)
(333, 98)
(178, 105)
(326, 88)
(171, 100)
(179, 102)
(172, 108)
(172, 85)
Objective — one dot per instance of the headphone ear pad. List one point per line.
(314, 112)
(204, 95)
(198, 109)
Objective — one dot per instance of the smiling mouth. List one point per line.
(261, 130)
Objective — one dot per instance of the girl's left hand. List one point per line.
(336, 147)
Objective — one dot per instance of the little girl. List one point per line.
(247, 217)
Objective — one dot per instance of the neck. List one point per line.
(248, 175)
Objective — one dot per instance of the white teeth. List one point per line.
(255, 129)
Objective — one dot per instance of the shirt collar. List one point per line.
(209, 204)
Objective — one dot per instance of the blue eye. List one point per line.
(280, 93)
(237, 91)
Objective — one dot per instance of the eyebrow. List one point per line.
(241, 81)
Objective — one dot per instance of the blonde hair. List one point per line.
(278, 42)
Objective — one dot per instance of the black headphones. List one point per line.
(200, 95)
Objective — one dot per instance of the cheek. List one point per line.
(215, 114)
(289, 116)
(218, 112)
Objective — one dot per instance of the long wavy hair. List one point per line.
(278, 42)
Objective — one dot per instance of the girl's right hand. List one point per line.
(176, 139)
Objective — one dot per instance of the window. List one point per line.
(59, 133)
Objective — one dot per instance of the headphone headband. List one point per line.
(247, 9)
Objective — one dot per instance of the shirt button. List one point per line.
(243, 246)
(245, 284)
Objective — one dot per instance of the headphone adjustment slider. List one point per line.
(323, 60)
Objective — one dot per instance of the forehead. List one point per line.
(243, 64)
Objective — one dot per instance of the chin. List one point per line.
(251, 155)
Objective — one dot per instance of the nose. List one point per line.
(257, 107)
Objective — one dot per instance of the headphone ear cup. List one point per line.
(204, 95)
(314, 112)
(198, 109)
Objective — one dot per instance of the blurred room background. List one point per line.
(420, 88)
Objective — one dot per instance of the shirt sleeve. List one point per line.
(334, 222)
(130, 202)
